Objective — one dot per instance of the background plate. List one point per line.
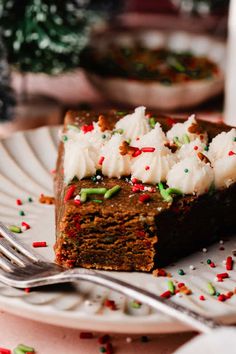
(26, 159)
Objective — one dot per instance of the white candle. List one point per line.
(230, 79)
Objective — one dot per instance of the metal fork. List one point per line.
(20, 267)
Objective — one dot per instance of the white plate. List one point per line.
(153, 94)
(26, 160)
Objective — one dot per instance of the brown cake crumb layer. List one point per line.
(123, 233)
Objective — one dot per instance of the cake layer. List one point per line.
(127, 233)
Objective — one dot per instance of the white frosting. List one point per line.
(191, 149)
(222, 144)
(180, 129)
(134, 125)
(80, 159)
(115, 164)
(155, 138)
(152, 167)
(191, 176)
(225, 171)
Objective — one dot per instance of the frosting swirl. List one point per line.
(113, 163)
(225, 171)
(152, 167)
(181, 130)
(191, 176)
(222, 144)
(191, 149)
(134, 125)
(80, 159)
(156, 138)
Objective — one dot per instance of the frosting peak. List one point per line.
(152, 167)
(156, 138)
(222, 144)
(191, 176)
(134, 125)
(113, 163)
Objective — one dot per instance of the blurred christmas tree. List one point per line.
(202, 7)
(7, 100)
(48, 36)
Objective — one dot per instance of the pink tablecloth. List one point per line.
(47, 339)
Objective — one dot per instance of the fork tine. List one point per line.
(6, 265)
(11, 238)
(10, 253)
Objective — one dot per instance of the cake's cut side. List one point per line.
(147, 221)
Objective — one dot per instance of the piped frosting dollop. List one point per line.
(191, 176)
(222, 144)
(134, 125)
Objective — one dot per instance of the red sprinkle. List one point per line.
(109, 348)
(53, 171)
(39, 244)
(196, 147)
(110, 304)
(134, 180)
(87, 128)
(27, 226)
(147, 168)
(18, 202)
(167, 294)
(170, 122)
(229, 263)
(77, 202)
(5, 351)
(222, 276)
(100, 162)
(86, 335)
(221, 297)
(162, 272)
(180, 285)
(148, 149)
(69, 193)
(137, 153)
(144, 198)
(202, 297)
(212, 265)
(229, 294)
(27, 290)
(230, 153)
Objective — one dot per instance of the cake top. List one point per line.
(184, 159)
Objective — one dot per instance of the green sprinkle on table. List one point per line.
(21, 213)
(211, 289)
(171, 286)
(181, 272)
(14, 228)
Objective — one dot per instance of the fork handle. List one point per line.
(168, 307)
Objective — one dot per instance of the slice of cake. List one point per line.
(136, 191)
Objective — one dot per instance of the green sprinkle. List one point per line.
(15, 229)
(26, 348)
(120, 113)
(152, 122)
(118, 131)
(176, 191)
(30, 200)
(171, 286)
(234, 139)
(93, 190)
(181, 272)
(64, 138)
(177, 142)
(165, 195)
(102, 349)
(206, 148)
(96, 200)
(94, 178)
(111, 192)
(209, 261)
(186, 139)
(211, 289)
(18, 351)
(135, 304)
(217, 293)
(83, 197)
(21, 213)
(104, 136)
(186, 170)
(128, 141)
(73, 127)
